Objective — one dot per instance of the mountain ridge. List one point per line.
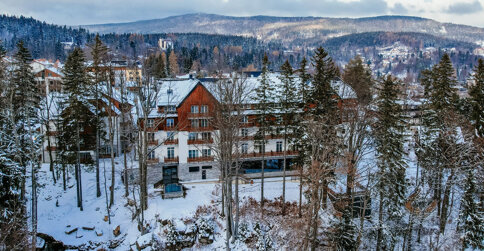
(291, 30)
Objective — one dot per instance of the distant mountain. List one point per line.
(292, 30)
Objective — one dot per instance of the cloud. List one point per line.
(464, 8)
(398, 8)
(74, 12)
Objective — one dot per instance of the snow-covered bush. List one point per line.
(206, 228)
(172, 235)
(264, 241)
(244, 233)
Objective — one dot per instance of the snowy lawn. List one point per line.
(58, 212)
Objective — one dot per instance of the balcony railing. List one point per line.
(153, 142)
(200, 159)
(200, 141)
(171, 159)
(152, 161)
(171, 142)
(269, 154)
(199, 115)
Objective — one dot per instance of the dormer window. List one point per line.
(170, 108)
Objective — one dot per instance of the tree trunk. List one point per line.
(284, 175)
(98, 184)
(78, 170)
(262, 182)
(300, 190)
(379, 237)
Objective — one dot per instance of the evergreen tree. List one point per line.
(76, 116)
(323, 108)
(389, 138)
(288, 99)
(302, 93)
(439, 134)
(358, 76)
(476, 94)
(345, 232)
(470, 219)
(265, 101)
(99, 53)
(13, 227)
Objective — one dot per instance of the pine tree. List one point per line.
(302, 91)
(476, 93)
(13, 227)
(323, 107)
(76, 116)
(99, 53)
(439, 134)
(288, 99)
(358, 76)
(265, 100)
(345, 232)
(160, 68)
(389, 138)
(471, 220)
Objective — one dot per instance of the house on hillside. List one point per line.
(181, 135)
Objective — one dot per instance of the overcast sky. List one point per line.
(73, 12)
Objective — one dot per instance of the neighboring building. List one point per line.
(122, 71)
(48, 75)
(165, 44)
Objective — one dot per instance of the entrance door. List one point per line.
(204, 174)
(170, 174)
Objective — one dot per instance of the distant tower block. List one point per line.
(165, 43)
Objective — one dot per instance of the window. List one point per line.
(279, 146)
(206, 167)
(206, 152)
(151, 154)
(245, 119)
(245, 148)
(170, 152)
(194, 109)
(244, 132)
(204, 123)
(170, 108)
(170, 122)
(204, 109)
(150, 123)
(170, 136)
(194, 123)
(192, 169)
(151, 136)
(206, 135)
(192, 154)
(192, 136)
(261, 147)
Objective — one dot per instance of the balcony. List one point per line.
(200, 159)
(171, 142)
(199, 141)
(201, 129)
(153, 142)
(199, 115)
(171, 159)
(269, 154)
(152, 161)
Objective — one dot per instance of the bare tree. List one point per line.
(231, 94)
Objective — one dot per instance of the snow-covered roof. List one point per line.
(174, 91)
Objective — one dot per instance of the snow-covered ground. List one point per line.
(58, 212)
